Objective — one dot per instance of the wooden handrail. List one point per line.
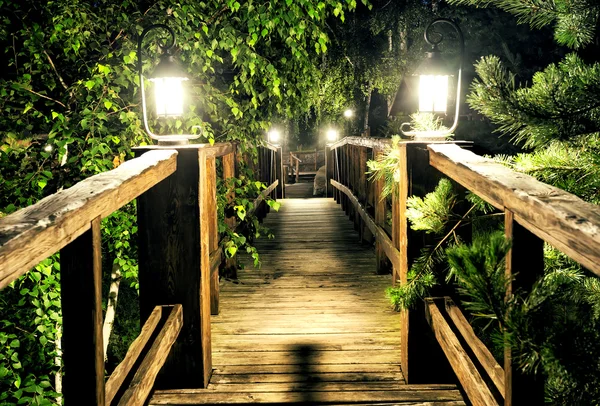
(392, 252)
(295, 157)
(34, 233)
(560, 218)
(369, 142)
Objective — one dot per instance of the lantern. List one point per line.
(434, 78)
(168, 80)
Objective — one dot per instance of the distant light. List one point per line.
(348, 113)
(274, 136)
(332, 135)
(48, 148)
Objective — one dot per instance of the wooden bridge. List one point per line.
(311, 326)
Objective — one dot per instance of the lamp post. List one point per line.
(433, 81)
(167, 79)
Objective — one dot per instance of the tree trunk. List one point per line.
(111, 305)
(368, 104)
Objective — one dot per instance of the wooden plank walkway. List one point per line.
(312, 326)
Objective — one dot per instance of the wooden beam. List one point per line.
(559, 218)
(81, 287)
(113, 385)
(386, 243)
(484, 356)
(466, 372)
(38, 231)
(143, 380)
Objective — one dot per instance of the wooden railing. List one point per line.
(179, 258)
(305, 162)
(534, 212)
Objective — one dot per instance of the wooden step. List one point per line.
(314, 393)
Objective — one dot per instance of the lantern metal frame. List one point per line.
(434, 59)
(167, 62)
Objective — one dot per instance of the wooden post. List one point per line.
(279, 174)
(329, 171)
(380, 218)
(525, 259)
(81, 287)
(174, 266)
(418, 349)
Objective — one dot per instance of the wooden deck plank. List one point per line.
(311, 326)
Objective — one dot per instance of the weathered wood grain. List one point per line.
(559, 218)
(122, 370)
(81, 287)
(38, 231)
(484, 356)
(143, 380)
(466, 372)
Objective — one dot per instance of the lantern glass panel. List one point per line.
(168, 96)
(433, 93)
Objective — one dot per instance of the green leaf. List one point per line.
(90, 84)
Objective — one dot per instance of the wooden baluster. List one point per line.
(524, 263)
(174, 265)
(380, 219)
(343, 180)
(228, 173)
(81, 287)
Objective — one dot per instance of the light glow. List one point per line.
(433, 93)
(168, 96)
(348, 113)
(332, 135)
(274, 137)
